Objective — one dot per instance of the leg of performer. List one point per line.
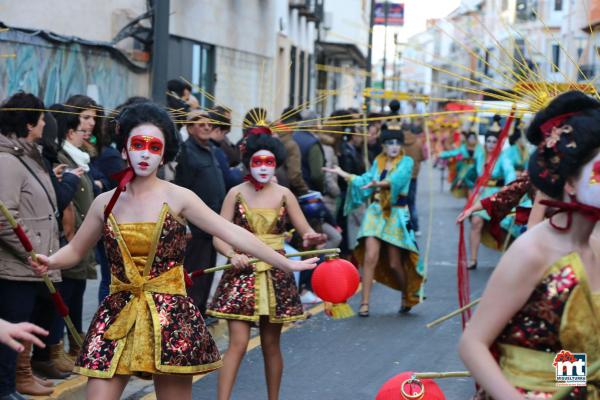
(397, 263)
(476, 228)
(173, 387)
(106, 389)
(239, 335)
(372, 248)
(271, 349)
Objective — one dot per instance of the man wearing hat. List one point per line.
(198, 170)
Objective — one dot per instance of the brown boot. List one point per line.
(60, 359)
(43, 381)
(74, 348)
(49, 369)
(25, 381)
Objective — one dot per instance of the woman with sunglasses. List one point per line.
(386, 224)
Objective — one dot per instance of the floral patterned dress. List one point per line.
(247, 293)
(560, 314)
(147, 325)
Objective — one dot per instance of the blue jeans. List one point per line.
(412, 207)
(25, 302)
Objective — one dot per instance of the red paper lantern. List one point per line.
(335, 280)
(424, 389)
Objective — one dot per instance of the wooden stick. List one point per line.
(453, 313)
(438, 375)
(255, 260)
(68, 322)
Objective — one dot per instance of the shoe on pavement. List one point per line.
(309, 297)
(12, 396)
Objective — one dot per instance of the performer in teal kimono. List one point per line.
(386, 224)
(519, 150)
(466, 174)
(503, 173)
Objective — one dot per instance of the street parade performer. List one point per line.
(258, 293)
(386, 223)
(465, 156)
(502, 174)
(552, 272)
(148, 325)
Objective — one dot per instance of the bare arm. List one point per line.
(517, 273)
(199, 214)
(87, 236)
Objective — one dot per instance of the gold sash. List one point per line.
(170, 282)
(274, 241)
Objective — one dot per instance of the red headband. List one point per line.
(554, 122)
(259, 130)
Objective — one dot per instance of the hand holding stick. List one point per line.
(62, 308)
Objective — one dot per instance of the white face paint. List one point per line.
(145, 147)
(490, 143)
(392, 148)
(262, 166)
(588, 186)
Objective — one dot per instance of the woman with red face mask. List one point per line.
(147, 325)
(543, 296)
(259, 293)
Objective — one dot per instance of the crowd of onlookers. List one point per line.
(53, 163)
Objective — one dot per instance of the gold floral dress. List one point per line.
(247, 293)
(148, 324)
(560, 314)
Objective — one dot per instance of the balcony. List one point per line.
(311, 9)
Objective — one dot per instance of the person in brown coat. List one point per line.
(413, 147)
(26, 190)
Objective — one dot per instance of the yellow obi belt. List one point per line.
(170, 282)
(274, 241)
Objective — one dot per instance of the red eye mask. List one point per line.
(259, 161)
(595, 178)
(142, 142)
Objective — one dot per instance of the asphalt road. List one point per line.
(351, 358)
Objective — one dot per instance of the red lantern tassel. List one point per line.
(62, 308)
(23, 238)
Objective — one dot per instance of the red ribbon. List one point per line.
(62, 308)
(18, 230)
(257, 185)
(462, 272)
(124, 177)
(590, 212)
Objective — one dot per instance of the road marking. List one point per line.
(252, 344)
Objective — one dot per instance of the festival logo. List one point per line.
(571, 368)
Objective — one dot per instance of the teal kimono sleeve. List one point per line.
(479, 162)
(400, 178)
(451, 153)
(508, 169)
(355, 195)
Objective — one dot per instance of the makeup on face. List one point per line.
(145, 148)
(588, 186)
(392, 147)
(262, 166)
(490, 143)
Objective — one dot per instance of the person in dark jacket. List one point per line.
(219, 128)
(198, 170)
(312, 155)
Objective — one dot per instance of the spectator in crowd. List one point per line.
(230, 149)
(219, 128)
(178, 95)
(26, 190)
(351, 160)
(414, 148)
(12, 335)
(73, 127)
(373, 131)
(331, 189)
(293, 164)
(198, 170)
(311, 152)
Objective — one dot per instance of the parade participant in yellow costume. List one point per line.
(552, 272)
(148, 326)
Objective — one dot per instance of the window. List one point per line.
(504, 5)
(555, 58)
(486, 68)
(558, 5)
(195, 61)
(301, 78)
(293, 76)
